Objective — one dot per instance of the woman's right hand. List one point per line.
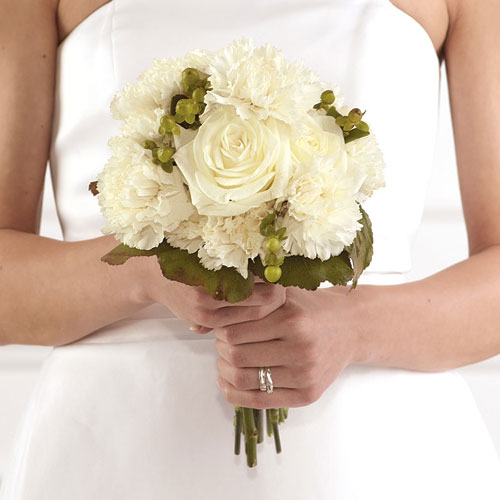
(194, 305)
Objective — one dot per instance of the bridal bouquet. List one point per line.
(238, 164)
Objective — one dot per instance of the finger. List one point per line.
(270, 327)
(257, 354)
(245, 379)
(216, 318)
(262, 294)
(241, 314)
(200, 329)
(279, 398)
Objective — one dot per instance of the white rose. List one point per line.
(233, 165)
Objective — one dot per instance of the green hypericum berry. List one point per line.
(355, 115)
(363, 126)
(199, 94)
(182, 107)
(147, 144)
(179, 118)
(272, 273)
(168, 126)
(165, 153)
(280, 233)
(168, 122)
(342, 121)
(168, 166)
(190, 77)
(266, 224)
(271, 260)
(186, 111)
(328, 97)
(272, 245)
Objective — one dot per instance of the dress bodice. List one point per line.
(382, 59)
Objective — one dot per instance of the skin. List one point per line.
(307, 338)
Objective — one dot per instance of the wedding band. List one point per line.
(269, 380)
(262, 380)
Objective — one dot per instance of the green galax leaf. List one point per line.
(310, 273)
(179, 265)
(225, 284)
(120, 254)
(361, 249)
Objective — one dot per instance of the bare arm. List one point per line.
(54, 292)
(449, 319)
(51, 292)
(452, 318)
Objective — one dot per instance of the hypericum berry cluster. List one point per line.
(185, 111)
(352, 125)
(272, 246)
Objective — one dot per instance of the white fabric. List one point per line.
(133, 411)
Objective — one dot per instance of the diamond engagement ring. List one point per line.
(265, 380)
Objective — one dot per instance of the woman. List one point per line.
(126, 405)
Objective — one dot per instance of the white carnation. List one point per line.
(231, 241)
(140, 201)
(260, 82)
(365, 158)
(155, 87)
(322, 216)
(188, 234)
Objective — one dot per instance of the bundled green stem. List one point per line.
(251, 434)
(250, 423)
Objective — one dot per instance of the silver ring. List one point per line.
(269, 380)
(262, 380)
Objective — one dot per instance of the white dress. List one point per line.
(133, 411)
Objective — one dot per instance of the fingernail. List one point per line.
(219, 383)
(194, 328)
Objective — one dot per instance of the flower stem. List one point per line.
(274, 413)
(251, 434)
(281, 415)
(269, 424)
(259, 424)
(277, 440)
(237, 430)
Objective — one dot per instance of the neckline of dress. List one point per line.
(100, 10)
(96, 13)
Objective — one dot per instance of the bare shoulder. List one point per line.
(473, 68)
(28, 41)
(71, 13)
(432, 15)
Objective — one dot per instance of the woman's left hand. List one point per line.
(306, 342)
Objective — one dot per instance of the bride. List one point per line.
(127, 404)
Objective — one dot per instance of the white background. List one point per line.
(440, 242)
